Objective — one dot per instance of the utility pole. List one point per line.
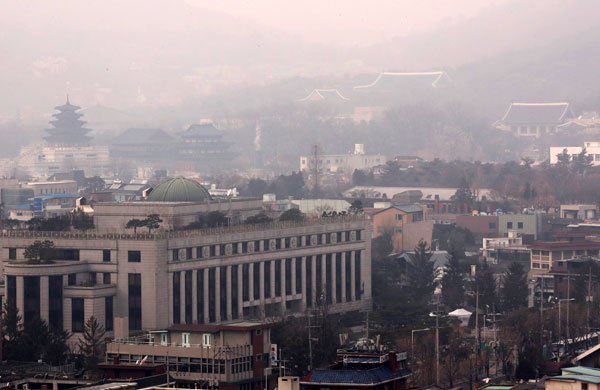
(568, 304)
(437, 342)
(478, 341)
(589, 298)
(310, 340)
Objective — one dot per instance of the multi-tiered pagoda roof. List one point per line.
(67, 127)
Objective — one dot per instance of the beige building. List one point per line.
(174, 275)
(342, 163)
(52, 187)
(575, 378)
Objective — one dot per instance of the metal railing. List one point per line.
(241, 228)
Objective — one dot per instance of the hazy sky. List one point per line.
(350, 22)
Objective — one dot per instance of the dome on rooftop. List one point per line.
(179, 189)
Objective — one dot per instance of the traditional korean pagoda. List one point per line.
(67, 128)
(203, 141)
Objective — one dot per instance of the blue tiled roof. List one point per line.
(372, 376)
(25, 206)
(57, 195)
(582, 378)
(582, 370)
(408, 208)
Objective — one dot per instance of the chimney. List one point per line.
(392, 363)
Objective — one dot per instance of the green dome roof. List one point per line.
(179, 189)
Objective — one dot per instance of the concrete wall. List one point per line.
(531, 224)
(482, 226)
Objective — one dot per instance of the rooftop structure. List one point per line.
(67, 128)
(179, 189)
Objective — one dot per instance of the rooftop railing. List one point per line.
(161, 235)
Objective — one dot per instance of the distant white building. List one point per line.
(592, 149)
(44, 161)
(342, 163)
(316, 207)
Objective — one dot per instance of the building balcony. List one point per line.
(56, 267)
(90, 290)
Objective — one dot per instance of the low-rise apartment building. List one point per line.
(232, 356)
(404, 223)
(544, 253)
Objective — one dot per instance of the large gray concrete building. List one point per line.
(174, 275)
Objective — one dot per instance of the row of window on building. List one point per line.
(323, 292)
(246, 247)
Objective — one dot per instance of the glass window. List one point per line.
(55, 302)
(77, 314)
(509, 225)
(519, 225)
(106, 278)
(206, 340)
(176, 297)
(12, 253)
(398, 217)
(108, 314)
(134, 256)
(106, 255)
(492, 225)
(72, 279)
(185, 339)
(135, 301)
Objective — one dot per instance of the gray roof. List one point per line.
(142, 136)
(538, 113)
(408, 208)
(202, 129)
(364, 377)
(324, 94)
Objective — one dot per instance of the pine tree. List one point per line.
(421, 274)
(152, 221)
(485, 285)
(92, 344)
(514, 289)
(453, 289)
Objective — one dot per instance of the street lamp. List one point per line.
(412, 340)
